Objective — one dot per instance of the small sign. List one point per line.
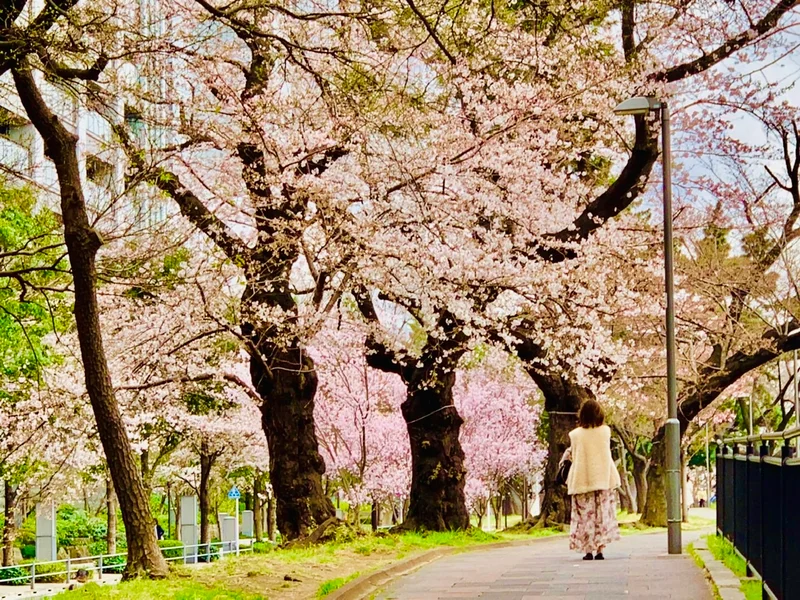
(234, 494)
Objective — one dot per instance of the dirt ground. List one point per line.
(278, 579)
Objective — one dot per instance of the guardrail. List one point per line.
(758, 488)
(105, 564)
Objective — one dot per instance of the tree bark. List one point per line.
(207, 459)
(9, 523)
(625, 497)
(83, 242)
(437, 501)
(375, 515)
(641, 466)
(654, 513)
(258, 515)
(111, 507)
(296, 466)
(272, 518)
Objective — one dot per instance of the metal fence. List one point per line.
(758, 490)
(104, 564)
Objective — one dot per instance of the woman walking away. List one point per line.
(592, 482)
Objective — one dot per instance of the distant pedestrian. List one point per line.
(592, 482)
(159, 531)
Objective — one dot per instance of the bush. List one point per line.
(97, 548)
(21, 575)
(28, 551)
(114, 564)
(204, 554)
(60, 568)
(171, 548)
(76, 524)
(262, 547)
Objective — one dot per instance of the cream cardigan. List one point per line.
(593, 467)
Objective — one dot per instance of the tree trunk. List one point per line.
(375, 515)
(654, 513)
(641, 466)
(83, 242)
(111, 507)
(296, 466)
(258, 517)
(9, 523)
(437, 501)
(555, 508)
(272, 518)
(206, 463)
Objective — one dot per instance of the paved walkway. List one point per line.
(637, 566)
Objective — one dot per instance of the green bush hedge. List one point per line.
(114, 564)
(262, 547)
(171, 548)
(28, 551)
(22, 575)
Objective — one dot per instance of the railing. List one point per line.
(105, 564)
(758, 492)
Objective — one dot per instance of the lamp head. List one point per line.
(640, 105)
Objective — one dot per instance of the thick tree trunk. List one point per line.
(641, 466)
(437, 501)
(626, 502)
(562, 400)
(9, 523)
(83, 242)
(272, 519)
(556, 504)
(258, 515)
(206, 463)
(375, 515)
(654, 513)
(296, 466)
(111, 507)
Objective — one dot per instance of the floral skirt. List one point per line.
(594, 521)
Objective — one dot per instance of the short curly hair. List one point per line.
(591, 414)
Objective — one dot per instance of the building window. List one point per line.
(100, 172)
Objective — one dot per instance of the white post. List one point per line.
(189, 529)
(46, 533)
(236, 527)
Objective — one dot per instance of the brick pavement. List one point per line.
(637, 566)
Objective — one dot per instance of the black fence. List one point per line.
(758, 510)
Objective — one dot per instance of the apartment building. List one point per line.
(103, 164)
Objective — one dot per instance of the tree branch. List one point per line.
(730, 46)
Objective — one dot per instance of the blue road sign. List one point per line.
(234, 494)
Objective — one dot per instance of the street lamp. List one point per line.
(642, 105)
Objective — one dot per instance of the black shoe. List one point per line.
(588, 556)
(599, 556)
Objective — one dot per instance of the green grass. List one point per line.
(334, 584)
(723, 551)
(154, 590)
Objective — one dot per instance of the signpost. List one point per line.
(234, 495)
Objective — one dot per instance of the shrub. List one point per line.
(206, 554)
(114, 564)
(20, 575)
(58, 568)
(171, 548)
(262, 547)
(76, 524)
(28, 551)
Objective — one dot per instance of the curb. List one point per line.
(358, 589)
(728, 585)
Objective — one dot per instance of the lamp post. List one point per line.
(641, 105)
